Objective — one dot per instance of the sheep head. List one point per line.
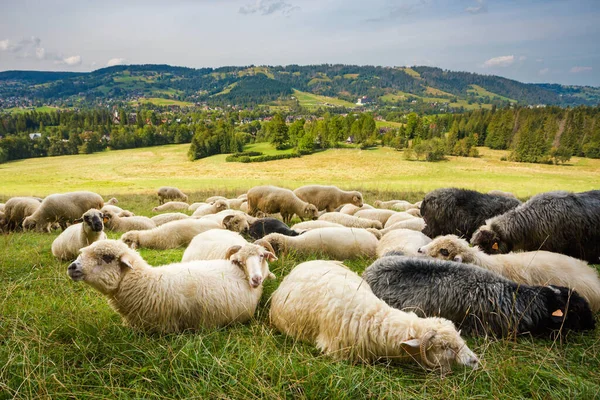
(567, 310)
(131, 239)
(108, 217)
(310, 212)
(276, 242)
(29, 223)
(113, 201)
(220, 205)
(449, 247)
(489, 241)
(377, 204)
(253, 260)
(357, 199)
(236, 223)
(92, 220)
(103, 264)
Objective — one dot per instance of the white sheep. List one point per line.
(116, 223)
(213, 245)
(17, 209)
(531, 268)
(217, 206)
(112, 201)
(175, 297)
(350, 221)
(235, 204)
(396, 205)
(62, 208)
(376, 214)
(273, 199)
(337, 243)
(406, 241)
(244, 206)
(212, 199)
(351, 209)
(415, 224)
(162, 219)
(398, 217)
(168, 236)
(194, 206)
(308, 225)
(87, 230)
(170, 193)
(326, 304)
(172, 206)
(2, 205)
(328, 197)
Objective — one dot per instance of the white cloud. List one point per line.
(115, 61)
(543, 71)
(502, 61)
(4, 44)
(40, 53)
(73, 60)
(267, 7)
(480, 8)
(576, 70)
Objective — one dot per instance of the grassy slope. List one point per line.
(144, 170)
(313, 101)
(482, 92)
(165, 102)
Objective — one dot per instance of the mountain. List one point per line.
(309, 86)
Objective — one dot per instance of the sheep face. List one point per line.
(489, 241)
(220, 205)
(29, 224)
(131, 239)
(357, 199)
(253, 260)
(310, 212)
(93, 219)
(102, 265)
(568, 310)
(108, 217)
(377, 204)
(236, 223)
(449, 247)
(113, 201)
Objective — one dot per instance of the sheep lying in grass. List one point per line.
(309, 225)
(117, 210)
(398, 217)
(337, 243)
(405, 241)
(162, 219)
(62, 208)
(111, 202)
(194, 206)
(264, 226)
(208, 209)
(170, 193)
(531, 268)
(172, 206)
(326, 304)
(235, 204)
(212, 245)
(477, 300)
(2, 207)
(415, 224)
(272, 199)
(561, 222)
(17, 209)
(212, 199)
(116, 223)
(175, 297)
(351, 209)
(396, 205)
(461, 211)
(232, 220)
(350, 221)
(328, 197)
(87, 230)
(376, 215)
(415, 212)
(168, 236)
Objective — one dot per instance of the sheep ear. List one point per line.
(271, 276)
(270, 256)
(558, 313)
(412, 342)
(126, 261)
(78, 220)
(495, 246)
(458, 259)
(105, 218)
(227, 219)
(231, 251)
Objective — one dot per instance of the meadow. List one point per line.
(60, 339)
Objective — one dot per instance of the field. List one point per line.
(60, 339)
(19, 110)
(165, 102)
(314, 101)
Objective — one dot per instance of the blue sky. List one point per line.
(528, 40)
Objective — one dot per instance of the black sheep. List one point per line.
(263, 226)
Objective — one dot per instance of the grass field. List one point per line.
(19, 110)
(60, 339)
(482, 92)
(164, 102)
(314, 101)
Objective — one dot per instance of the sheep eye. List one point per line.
(108, 258)
(444, 252)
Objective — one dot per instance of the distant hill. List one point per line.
(311, 85)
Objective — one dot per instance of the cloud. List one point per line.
(72, 60)
(543, 71)
(577, 70)
(502, 61)
(40, 53)
(115, 61)
(480, 8)
(31, 48)
(268, 7)
(4, 44)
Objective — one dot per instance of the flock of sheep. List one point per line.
(525, 269)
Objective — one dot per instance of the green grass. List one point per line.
(20, 110)
(402, 96)
(411, 72)
(165, 102)
(388, 124)
(60, 339)
(482, 92)
(313, 101)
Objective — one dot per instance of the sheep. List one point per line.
(398, 217)
(243, 196)
(405, 241)
(85, 231)
(171, 206)
(531, 268)
(3, 222)
(264, 226)
(272, 199)
(328, 197)
(326, 304)
(396, 205)
(170, 193)
(337, 243)
(418, 204)
(415, 224)
(375, 214)
(194, 206)
(213, 208)
(2, 207)
(62, 208)
(162, 219)
(350, 221)
(561, 222)
(116, 223)
(477, 300)
(212, 245)
(17, 209)
(244, 206)
(168, 236)
(415, 212)
(235, 204)
(461, 211)
(112, 201)
(242, 220)
(175, 297)
(212, 199)
(308, 225)
(351, 209)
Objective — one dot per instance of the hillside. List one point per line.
(419, 88)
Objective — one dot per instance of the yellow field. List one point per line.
(382, 169)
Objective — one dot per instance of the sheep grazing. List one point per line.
(560, 222)
(217, 206)
(376, 215)
(273, 199)
(17, 209)
(111, 202)
(62, 208)
(168, 236)
(264, 226)
(405, 241)
(530, 268)
(170, 193)
(396, 205)
(117, 210)
(350, 221)
(477, 300)
(461, 211)
(351, 209)
(175, 297)
(116, 223)
(326, 304)
(308, 225)
(162, 219)
(337, 243)
(172, 206)
(415, 224)
(328, 197)
(87, 230)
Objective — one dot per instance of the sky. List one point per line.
(556, 41)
